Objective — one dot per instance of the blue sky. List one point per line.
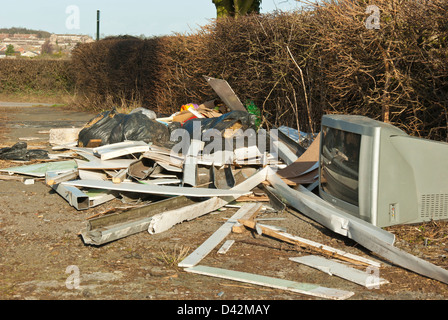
(118, 17)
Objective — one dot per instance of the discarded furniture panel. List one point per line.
(362, 278)
(40, 169)
(105, 229)
(92, 175)
(205, 248)
(95, 163)
(156, 189)
(120, 149)
(298, 287)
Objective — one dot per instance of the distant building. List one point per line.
(69, 39)
(31, 45)
(29, 54)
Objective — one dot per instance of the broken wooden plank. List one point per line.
(53, 178)
(309, 245)
(8, 177)
(219, 235)
(298, 287)
(226, 246)
(249, 216)
(120, 176)
(362, 278)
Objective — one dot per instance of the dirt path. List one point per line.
(42, 253)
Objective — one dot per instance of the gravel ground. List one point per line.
(43, 256)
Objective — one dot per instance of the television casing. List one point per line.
(401, 179)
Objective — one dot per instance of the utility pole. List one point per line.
(97, 25)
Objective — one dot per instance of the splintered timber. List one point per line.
(242, 309)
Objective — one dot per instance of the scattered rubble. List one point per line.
(118, 156)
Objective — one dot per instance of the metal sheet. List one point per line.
(225, 92)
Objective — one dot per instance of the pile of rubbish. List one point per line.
(197, 161)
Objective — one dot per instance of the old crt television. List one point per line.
(378, 173)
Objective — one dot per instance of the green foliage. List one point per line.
(15, 30)
(10, 50)
(253, 109)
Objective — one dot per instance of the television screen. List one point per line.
(339, 172)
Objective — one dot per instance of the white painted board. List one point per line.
(367, 278)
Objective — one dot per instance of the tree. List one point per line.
(235, 8)
(10, 50)
(47, 48)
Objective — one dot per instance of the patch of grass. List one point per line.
(173, 256)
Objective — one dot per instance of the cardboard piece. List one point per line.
(306, 161)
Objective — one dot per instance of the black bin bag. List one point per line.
(112, 127)
(19, 151)
(221, 124)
